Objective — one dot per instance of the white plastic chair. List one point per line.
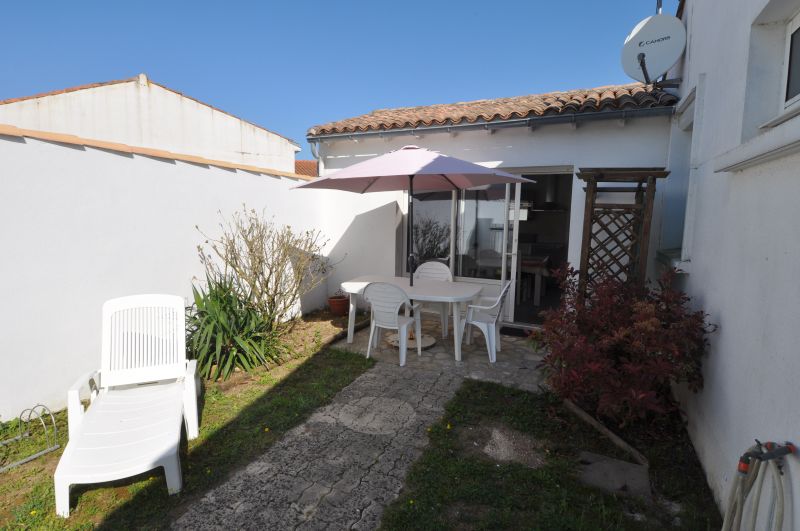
(487, 319)
(140, 397)
(385, 301)
(436, 271)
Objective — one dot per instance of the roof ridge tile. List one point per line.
(597, 99)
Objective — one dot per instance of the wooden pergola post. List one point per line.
(616, 234)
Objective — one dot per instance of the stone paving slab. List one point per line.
(348, 461)
(516, 364)
(340, 468)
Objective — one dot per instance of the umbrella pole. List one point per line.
(410, 258)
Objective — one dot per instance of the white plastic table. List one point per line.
(424, 290)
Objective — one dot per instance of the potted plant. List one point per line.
(339, 303)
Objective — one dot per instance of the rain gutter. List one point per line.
(531, 123)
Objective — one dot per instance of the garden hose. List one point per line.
(750, 472)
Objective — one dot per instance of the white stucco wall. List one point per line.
(640, 142)
(141, 113)
(741, 238)
(79, 226)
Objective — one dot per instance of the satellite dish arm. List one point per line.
(643, 66)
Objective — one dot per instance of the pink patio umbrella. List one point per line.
(412, 168)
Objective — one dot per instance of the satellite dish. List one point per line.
(653, 47)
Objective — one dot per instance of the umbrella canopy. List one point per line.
(431, 171)
(412, 168)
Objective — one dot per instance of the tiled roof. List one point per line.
(72, 140)
(306, 167)
(66, 90)
(611, 97)
(130, 80)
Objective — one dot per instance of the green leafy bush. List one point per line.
(225, 332)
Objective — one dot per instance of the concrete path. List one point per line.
(340, 468)
(348, 461)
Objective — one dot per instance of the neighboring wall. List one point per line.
(741, 239)
(80, 225)
(141, 113)
(642, 142)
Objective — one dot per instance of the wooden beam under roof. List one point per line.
(621, 174)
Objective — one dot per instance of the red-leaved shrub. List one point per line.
(617, 351)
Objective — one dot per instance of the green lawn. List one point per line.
(451, 487)
(241, 418)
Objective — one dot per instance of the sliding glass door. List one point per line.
(472, 231)
(433, 226)
(480, 231)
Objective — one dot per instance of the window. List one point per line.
(432, 212)
(792, 62)
(478, 233)
(479, 240)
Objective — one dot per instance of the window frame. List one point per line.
(792, 26)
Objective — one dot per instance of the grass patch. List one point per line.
(675, 470)
(450, 488)
(240, 419)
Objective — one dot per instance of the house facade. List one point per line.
(740, 250)
(140, 112)
(726, 215)
(517, 233)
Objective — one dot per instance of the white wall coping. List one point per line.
(62, 138)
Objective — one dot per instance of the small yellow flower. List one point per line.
(448, 426)
(411, 502)
(266, 429)
(33, 512)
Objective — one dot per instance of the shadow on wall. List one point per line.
(368, 246)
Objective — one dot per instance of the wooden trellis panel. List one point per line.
(616, 235)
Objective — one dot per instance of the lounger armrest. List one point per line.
(191, 390)
(75, 410)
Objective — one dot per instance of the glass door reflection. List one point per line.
(480, 242)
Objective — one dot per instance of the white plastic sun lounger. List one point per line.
(142, 394)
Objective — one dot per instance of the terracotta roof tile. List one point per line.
(67, 90)
(612, 97)
(306, 167)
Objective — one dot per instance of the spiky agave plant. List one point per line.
(225, 332)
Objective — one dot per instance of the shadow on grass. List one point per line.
(452, 486)
(227, 444)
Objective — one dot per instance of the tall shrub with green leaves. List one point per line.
(225, 332)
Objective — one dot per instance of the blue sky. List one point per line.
(290, 65)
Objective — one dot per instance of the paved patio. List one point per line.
(348, 461)
(516, 362)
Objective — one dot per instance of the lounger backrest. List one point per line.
(144, 339)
